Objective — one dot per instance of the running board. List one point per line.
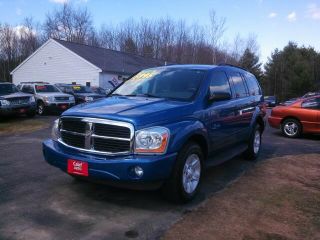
(225, 155)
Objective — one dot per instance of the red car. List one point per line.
(301, 116)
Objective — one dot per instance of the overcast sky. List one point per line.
(274, 22)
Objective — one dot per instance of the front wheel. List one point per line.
(184, 182)
(291, 128)
(40, 108)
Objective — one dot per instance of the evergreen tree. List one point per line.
(251, 62)
(292, 72)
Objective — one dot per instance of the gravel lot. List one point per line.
(38, 201)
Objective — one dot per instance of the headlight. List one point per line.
(71, 98)
(32, 99)
(152, 140)
(49, 99)
(88, 99)
(55, 132)
(4, 103)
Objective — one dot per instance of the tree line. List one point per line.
(172, 40)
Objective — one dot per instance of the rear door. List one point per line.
(243, 104)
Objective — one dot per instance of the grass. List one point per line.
(21, 125)
(278, 200)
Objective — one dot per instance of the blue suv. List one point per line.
(161, 128)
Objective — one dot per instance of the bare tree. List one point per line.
(216, 29)
(69, 23)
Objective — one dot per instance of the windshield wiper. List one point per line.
(116, 94)
(142, 95)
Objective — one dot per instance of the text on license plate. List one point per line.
(77, 167)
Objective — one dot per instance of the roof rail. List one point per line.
(36, 82)
(230, 65)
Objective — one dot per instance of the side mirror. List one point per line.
(219, 96)
(108, 91)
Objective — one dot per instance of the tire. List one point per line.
(254, 146)
(181, 187)
(40, 108)
(291, 128)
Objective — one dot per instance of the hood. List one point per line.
(16, 94)
(94, 95)
(140, 111)
(54, 94)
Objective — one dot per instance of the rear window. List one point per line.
(239, 85)
(253, 86)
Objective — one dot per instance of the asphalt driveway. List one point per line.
(38, 201)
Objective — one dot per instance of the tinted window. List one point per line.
(252, 84)
(173, 83)
(239, 85)
(219, 83)
(7, 89)
(311, 103)
(27, 89)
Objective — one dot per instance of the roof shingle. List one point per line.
(110, 60)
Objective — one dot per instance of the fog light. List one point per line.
(138, 171)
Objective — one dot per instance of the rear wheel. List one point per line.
(254, 146)
(291, 128)
(184, 182)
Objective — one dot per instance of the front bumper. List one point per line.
(58, 106)
(115, 170)
(17, 109)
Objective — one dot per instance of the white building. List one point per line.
(58, 61)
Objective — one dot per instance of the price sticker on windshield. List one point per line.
(76, 87)
(40, 87)
(145, 75)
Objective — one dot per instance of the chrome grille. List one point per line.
(96, 135)
(19, 101)
(61, 98)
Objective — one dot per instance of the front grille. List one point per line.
(19, 101)
(96, 135)
(61, 98)
(73, 140)
(110, 145)
(73, 125)
(111, 130)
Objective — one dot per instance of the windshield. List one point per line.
(46, 89)
(81, 89)
(8, 89)
(178, 84)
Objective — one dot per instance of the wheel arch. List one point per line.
(261, 122)
(202, 141)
